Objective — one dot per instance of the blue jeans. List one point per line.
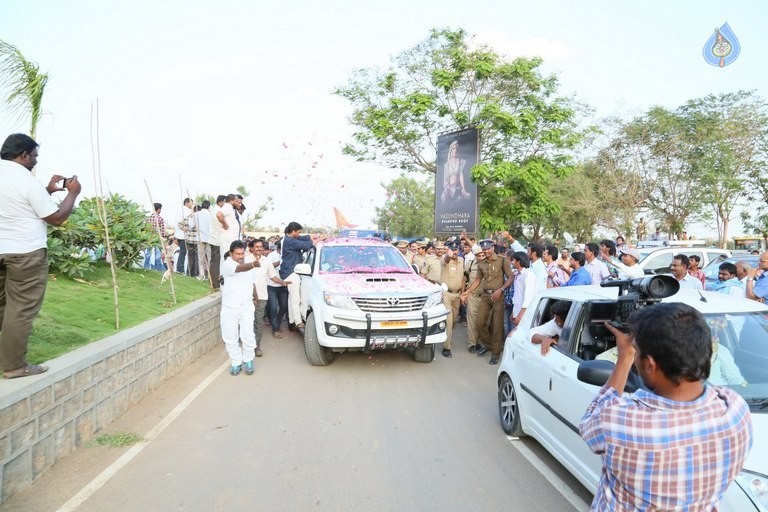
(277, 305)
(158, 263)
(508, 325)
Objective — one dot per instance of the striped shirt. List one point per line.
(660, 454)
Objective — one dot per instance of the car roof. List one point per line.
(683, 250)
(715, 302)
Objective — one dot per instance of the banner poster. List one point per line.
(455, 190)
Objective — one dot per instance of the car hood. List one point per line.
(356, 284)
(756, 460)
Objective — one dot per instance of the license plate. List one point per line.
(394, 323)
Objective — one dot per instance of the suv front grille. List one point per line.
(390, 304)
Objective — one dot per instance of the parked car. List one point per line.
(710, 271)
(541, 396)
(657, 261)
(361, 294)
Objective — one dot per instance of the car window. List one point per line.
(544, 314)
(658, 263)
(348, 259)
(740, 352)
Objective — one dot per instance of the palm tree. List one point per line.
(23, 82)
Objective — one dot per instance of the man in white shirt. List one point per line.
(277, 300)
(597, 270)
(230, 226)
(743, 269)
(525, 287)
(535, 253)
(215, 232)
(628, 267)
(238, 298)
(548, 333)
(679, 268)
(25, 208)
(203, 219)
(265, 272)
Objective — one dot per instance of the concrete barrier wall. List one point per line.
(44, 418)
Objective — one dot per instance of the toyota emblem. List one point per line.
(393, 301)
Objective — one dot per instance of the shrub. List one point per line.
(129, 233)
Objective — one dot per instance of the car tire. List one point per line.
(509, 408)
(316, 353)
(424, 354)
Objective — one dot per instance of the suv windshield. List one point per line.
(351, 259)
(740, 354)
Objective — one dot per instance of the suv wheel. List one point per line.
(509, 411)
(316, 353)
(424, 354)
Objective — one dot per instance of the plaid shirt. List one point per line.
(157, 223)
(187, 225)
(659, 454)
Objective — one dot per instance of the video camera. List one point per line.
(633, 294)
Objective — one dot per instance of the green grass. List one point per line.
(76, 313)
(118, 440)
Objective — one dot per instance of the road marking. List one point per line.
(557, 482)
(98, 482)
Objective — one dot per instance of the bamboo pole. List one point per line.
(171, 270)
(102, 209)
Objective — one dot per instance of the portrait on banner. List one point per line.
(455, 190)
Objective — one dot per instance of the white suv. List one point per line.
(361, 294)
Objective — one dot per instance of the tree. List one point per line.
(447, 83)
(726, 132)
(409, 208)
(23, 83)
(661, 150)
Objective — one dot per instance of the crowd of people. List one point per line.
(489, 283)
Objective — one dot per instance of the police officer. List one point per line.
(421, 256)
(494, 276)
(432, 267)
(473, 299)
(402, 246)
(452, 279)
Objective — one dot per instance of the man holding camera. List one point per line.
(678, 444)
(25, 208)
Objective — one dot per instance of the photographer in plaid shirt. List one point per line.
(678, 444)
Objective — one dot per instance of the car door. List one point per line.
(530, 373)
(568, 399)
(307, 282)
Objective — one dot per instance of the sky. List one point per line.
(198, 97)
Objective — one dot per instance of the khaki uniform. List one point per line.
(452, 275)
(432, 268)
(473, 303)
(409, 256)
(419, 261)
(492, 272)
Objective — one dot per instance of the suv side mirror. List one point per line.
(596, 372)
(303, 269)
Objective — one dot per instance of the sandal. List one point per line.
(277, 335)
(300, 326)
(25, 371)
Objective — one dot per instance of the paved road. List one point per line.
(370, 432)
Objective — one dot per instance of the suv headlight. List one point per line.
(756, 487)
(434, 299)
(339, 300)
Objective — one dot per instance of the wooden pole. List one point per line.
(102, 209)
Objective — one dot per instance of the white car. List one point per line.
(361, 294)
(541, 396)
(657, 261)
